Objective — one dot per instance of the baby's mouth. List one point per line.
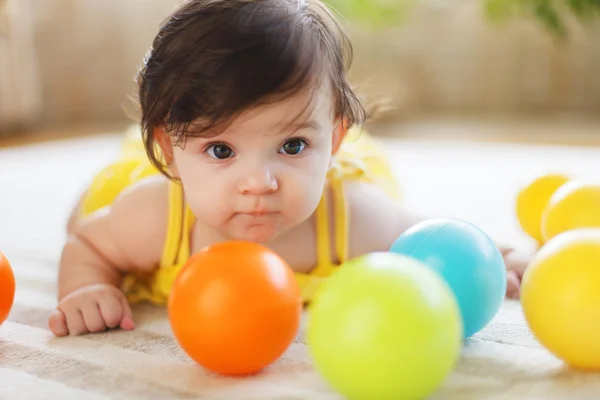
(259, 213)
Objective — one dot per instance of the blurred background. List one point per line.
(508, 69)
(480, 93)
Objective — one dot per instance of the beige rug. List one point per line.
(39, 183)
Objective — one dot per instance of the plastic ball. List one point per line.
(560, 295)
(468, 260)
(532, 200)
(574, 205)
(384, 326)
(235, 307)
(7, 288)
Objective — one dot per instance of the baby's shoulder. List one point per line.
(135, 223)
(144, 206)
(148, 194)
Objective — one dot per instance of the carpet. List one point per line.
(475, 181)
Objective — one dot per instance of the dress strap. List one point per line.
(174, 236)
(325, 263)
(341, 220)
(323, 238)
(185, 248)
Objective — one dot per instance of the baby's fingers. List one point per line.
(92, 318)
(513, 285)
(111, 311)
(58, 323)
(504, 250)
(75, 322)
(127, 320)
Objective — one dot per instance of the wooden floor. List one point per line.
(555, 129)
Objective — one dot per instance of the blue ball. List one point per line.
(468, 260)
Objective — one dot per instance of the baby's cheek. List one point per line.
(207, 205)
(303, 200)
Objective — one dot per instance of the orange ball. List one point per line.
(235, 307)
(7, 288)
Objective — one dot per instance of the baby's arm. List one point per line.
(123, 238)
(376, 221)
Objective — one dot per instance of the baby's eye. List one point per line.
(220, 151)
(293, 147)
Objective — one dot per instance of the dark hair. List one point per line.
(212, 59)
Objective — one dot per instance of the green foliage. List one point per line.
(549, 13)
(376, 13)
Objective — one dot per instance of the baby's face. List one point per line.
(265, 174)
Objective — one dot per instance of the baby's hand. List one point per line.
(93, 308)
(516, 264)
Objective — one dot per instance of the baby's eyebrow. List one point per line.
(310, 124)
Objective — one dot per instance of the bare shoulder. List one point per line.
(131, 232)
(374, 219)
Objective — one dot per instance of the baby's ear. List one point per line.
(166, 149)
(339, 134)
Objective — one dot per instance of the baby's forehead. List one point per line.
(306, 109)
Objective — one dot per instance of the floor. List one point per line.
(442, 176)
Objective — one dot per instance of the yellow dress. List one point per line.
(360, 157)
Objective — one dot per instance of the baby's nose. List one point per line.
(259, 181)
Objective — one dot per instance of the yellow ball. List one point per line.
(560, 295)
(574, 205)
(532, 200)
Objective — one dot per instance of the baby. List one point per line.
(250, 131)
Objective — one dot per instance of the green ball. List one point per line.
(384, 326)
